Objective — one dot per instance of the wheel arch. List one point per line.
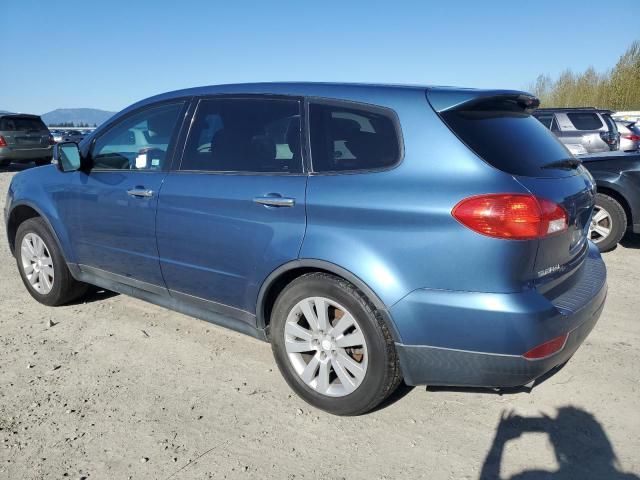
(20, 213)
(618, 197)
(285, 274)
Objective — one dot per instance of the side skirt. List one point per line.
(161, 297)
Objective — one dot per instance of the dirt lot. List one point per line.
(119, 389)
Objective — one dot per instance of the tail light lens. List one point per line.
(547, 349)
(511, 216)
(633, 138)
(3, 142)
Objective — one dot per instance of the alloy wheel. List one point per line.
(326, 346)
(601, 225)
(37, 263)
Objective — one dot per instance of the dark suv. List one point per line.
(24, 138)
(582, 130)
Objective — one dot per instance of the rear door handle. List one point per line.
(273, 201)
(140, 192)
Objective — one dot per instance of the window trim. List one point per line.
(193, 110)
(356, 105)
(173, 142)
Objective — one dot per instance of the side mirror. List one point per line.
(67, 156)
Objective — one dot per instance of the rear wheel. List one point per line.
(42, 267)
(608, 223)
(332, 346)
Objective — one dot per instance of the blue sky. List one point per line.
(107, 54)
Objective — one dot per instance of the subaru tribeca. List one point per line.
(24, 138)
(370, 233)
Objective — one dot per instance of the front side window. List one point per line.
(139, 142)
(350, 138)
(256, 135)
(585, 120)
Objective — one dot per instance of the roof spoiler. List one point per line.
(447, 99)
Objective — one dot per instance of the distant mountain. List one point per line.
(76, 115)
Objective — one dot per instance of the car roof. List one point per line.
(362, 92)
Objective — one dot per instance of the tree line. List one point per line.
(72, 125)
(616, 89)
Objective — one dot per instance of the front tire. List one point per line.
(332, 346)
(608, 224)
(42, 267)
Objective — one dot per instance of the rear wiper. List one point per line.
(569, 163)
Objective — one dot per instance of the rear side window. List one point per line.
(245, 135)
(347, 138)
(585, 120)
(21, 124)
(546, 119)
(514, 142)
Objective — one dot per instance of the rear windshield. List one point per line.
(21, 124)
(514, 142)
(585, 121)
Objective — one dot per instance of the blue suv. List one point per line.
(370, 233)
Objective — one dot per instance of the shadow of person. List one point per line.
(581, 446)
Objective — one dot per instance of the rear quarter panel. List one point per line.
(394, 230)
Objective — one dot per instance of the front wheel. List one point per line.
(332, 346)
(42, 267)
(608, 223)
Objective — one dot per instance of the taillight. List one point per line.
(547, 349)
(3, 142)
(512, 216)
(633, 138)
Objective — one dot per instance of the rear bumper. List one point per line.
(24, 154)
(477, 339)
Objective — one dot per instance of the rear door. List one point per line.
(506, 136)
(233, 210)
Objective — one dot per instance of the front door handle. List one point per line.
(273, 201)
(140, 192)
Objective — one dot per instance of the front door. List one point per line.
(234, 210)
(112, 214)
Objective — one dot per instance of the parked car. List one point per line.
(68, 136)
(581, 128)
(629, 136)
(617, 209)
(370, 233)
(24, 138)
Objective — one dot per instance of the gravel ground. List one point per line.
(115, 388)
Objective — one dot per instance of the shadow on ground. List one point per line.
(582, 448)
(631, 240)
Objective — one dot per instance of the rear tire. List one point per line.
(5, 163)
(42, 267)
(347, 367)
(609, 223)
